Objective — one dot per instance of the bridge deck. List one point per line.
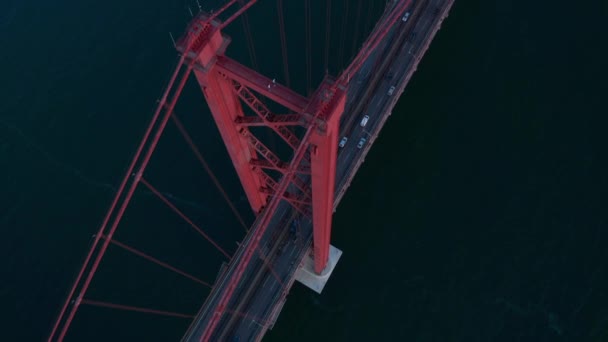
(260, 296)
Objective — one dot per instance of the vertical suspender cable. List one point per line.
(327, 35)
(250, 45)
(283, 41)
(357, 26)
(343, 32)
(205, 165)
(251, 48)
(308, 47)
(368, 18)
(185, 218)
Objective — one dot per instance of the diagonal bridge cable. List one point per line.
(133, 308)
(158, 262)
(205, 165)
(184, 217)
(283, 41)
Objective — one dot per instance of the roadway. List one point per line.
(261, 293)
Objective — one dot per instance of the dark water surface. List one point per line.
(479, 214)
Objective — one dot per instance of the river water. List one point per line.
(479, 214)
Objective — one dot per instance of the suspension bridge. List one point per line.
(294, 185)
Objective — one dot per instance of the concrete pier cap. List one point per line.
(306, 275)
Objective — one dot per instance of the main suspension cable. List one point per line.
(184, 217)
(205, 165)
(95, 254)
(158, 262)
(133, 308)
(283, 41)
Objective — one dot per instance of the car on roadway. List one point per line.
(391, 90)
(364, 120)
(343, 142)
(406, 16)
(361, 143)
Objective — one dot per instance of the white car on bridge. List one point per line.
(361, 143)
(364, 120)
(343, 142)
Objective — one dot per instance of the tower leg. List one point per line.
(226, 107)
(324, 154)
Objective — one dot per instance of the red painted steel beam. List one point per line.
(259, 83)
(323, 155)
(324, 148)
(274, 160)
(225, 108)
(224, 104)
(202, 25)
(322, 127)
(324, 144)
(274, 120)
(263, 150)
(264, 113)
(265, 164)
(293, 199)
(255, 241)
(334, 95)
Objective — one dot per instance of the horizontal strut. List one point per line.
(259, 83)
(265, 115)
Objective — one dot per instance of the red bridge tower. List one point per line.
(226, 84)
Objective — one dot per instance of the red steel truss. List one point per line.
(226, 85)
